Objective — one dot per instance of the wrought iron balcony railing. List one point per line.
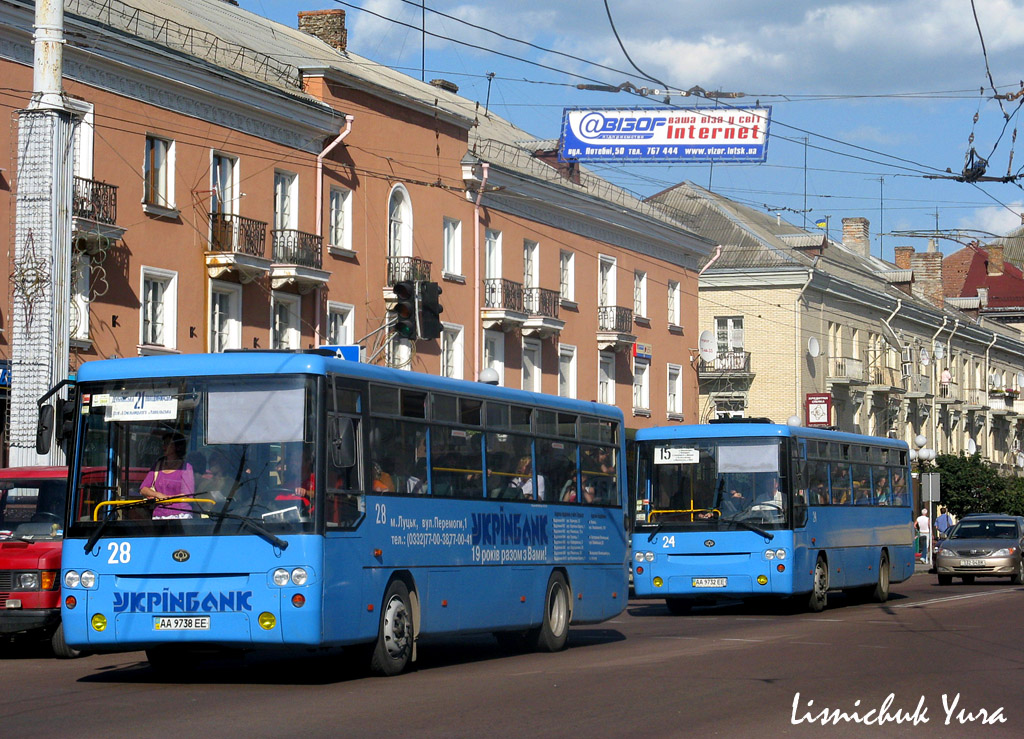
(402, 269)
(847, 368)
(237, 234)
(540, 301)
(298, 248)
(96, 201)
(503, 294)
(614, 318)
(889, 376)
(726, 363)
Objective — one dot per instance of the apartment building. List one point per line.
(238, 184)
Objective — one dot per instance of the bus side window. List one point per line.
(344, 481)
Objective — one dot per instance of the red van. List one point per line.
(32, 502)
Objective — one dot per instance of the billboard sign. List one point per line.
(735, 134)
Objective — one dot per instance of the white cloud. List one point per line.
(995, 219)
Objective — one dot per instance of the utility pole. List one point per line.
(805, 183)
(881, 213)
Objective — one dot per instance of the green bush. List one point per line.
(971, 485)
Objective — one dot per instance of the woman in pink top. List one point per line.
(171, 476)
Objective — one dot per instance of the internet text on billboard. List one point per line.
(736, 134)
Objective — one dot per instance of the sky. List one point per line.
(868, 98)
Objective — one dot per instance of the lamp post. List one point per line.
(923, 455)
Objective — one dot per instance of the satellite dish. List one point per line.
(925, 358)
(813, 347)
(939, 352)
(1020, 379)
(972, 447)
(707, 345)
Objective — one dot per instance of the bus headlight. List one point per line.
(267, 621)
(88, 579)
(27, 581)
(99, 622)
(639, 556)
(71, 579)
(769, 554)
(762, 580)
(780, 554)
(299, 576)
(658, 582)
(649, 556)
(281, 577)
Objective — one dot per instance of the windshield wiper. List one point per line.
(99, 530)
(750, 527)
(655, 532)
(249, 522)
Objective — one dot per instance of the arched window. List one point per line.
(399, 223)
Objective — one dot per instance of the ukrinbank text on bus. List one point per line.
(734, 134)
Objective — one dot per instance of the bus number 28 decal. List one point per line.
(382, 513)
(119, 553)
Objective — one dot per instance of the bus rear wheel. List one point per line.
(393, 649)
(819, 594)
(554, 630)
(880, 593)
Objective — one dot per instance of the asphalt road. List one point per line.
(731, 670)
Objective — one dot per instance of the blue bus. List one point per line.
(292, 499)
(752, 508)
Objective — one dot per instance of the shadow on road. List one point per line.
(755, 606)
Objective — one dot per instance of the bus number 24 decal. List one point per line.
(668, 541)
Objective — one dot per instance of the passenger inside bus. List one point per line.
(170, 476)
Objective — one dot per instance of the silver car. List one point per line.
(982, 546)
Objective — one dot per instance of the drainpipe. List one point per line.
(479, 330)
(320, 208)
(885, 322)
(796, 329)
(933, 416)
(988, 369)
(718, 253)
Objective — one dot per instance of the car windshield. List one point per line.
(983, 529)
(227, 453)
(32, 509)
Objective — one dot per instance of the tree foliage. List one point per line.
(971, 485)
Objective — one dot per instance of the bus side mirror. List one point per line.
(44, 429)
(343, 443)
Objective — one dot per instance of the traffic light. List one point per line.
(430, 310)
(403, 312)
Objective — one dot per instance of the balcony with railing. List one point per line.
(297, 259)
(949, 392)
(614, 328)
(974, 399)
(541, 306)
(1003, 403)
(94, 212)
(503, 307)
(237, 245)
(732, 364)
(407, 269)
(885, 379)
(846, 371)
(918, 386)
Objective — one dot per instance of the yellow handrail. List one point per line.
(157, 501)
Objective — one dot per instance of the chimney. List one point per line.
(983, 297)
(928, 277)
(326, 25)
(857, 236)
(903, 255)
(995, 260)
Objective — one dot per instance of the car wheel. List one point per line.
(945, 579)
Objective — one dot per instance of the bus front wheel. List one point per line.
(819, 595)
(554, 630)
(395, 634)
(60, 648)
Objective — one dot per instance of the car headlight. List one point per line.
(26, 581)
(1004, 552)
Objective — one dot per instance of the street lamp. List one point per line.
(923, 455)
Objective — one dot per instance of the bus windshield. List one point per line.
(712, 484)
(196, 456)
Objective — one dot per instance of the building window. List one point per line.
(225, 316)
(452, 247)
(494, 353)
(641, 384)
(158, 173)
(606, 378)
(566, 371)
(492, 254)
(340, 227)
(640, 293)
(285, 195)
(80, 266)
(399, 223)
(340, 320)
(674, 399)
(452, 351)
(673, 304)
(729, 332)
(566, 276)
(285, 313)
(531, 365)
(224, 184)
(159, 307)
(605, 281)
